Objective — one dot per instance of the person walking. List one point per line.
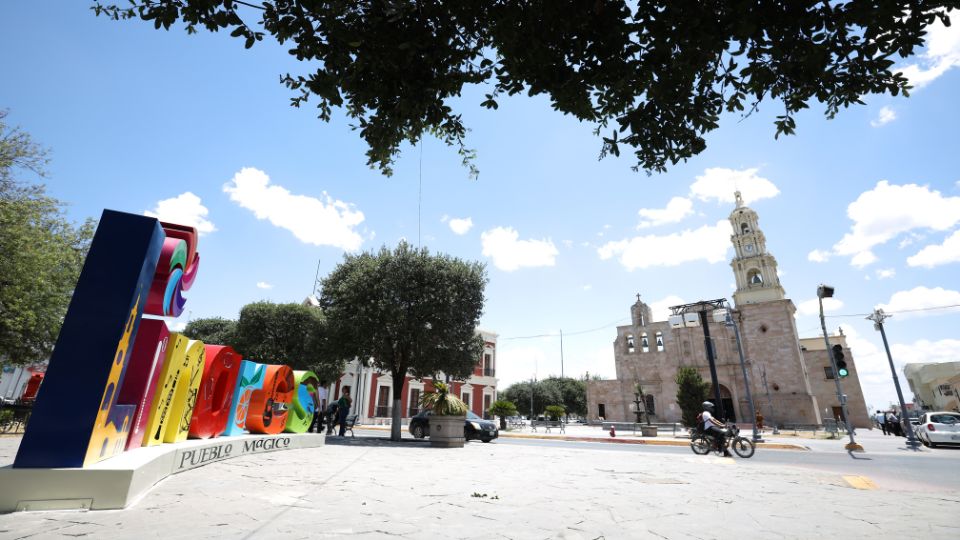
(881, 421)
(343, 408)
(320, 412)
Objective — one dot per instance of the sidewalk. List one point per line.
(371, 488)
(872, 441)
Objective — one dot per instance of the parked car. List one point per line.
(937, 428)
(474, 427)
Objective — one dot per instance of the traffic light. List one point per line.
(842, 370)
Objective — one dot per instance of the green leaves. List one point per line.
(663, 71)
(691, 393)
(41, 254)
(407, 310)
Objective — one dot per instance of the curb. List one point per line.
(618, 440)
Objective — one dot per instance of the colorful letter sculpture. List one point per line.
(143, 372)
(76, 420)
(251, 379)
(268, 405)
(215, 398)
(117, 381)
(304, 404)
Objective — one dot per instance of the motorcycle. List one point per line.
(702, 443)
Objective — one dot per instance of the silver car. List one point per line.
(936, 428)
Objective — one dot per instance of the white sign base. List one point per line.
(120, 481)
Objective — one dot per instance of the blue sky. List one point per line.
(195, 128)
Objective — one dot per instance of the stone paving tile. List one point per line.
(374, 489)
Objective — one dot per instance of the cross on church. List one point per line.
(638, 297)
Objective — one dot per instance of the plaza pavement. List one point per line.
(367, 487)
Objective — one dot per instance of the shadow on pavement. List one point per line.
(377, 441)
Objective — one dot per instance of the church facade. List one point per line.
(790, 377)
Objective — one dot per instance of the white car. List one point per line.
(941, 427)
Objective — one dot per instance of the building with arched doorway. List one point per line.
(790, 377)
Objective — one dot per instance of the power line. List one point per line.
(931, 308)
(597, 329)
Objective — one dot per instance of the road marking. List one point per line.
(860, 482)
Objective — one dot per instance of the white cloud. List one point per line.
(587, 287)
(916, 302)
(863, 259)
(677, 209)
(720, 184)
(318, 221)
(708, 243)
(184, 209)
(509, 253)
(812, 306)
(661, 308)
(942, 54)
(885, 116)
(935, 255)
(885, 273)
(264, 285)
(461, 225)
(178, 326)
(818, 255)
(886, 211)
(873, 368)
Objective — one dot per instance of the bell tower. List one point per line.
(754, 268)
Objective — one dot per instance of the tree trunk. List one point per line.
(397, 412)
(503, 423)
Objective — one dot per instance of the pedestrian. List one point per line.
(343, 408)
(759, 421)
(892, 422)
(320, 412)
(881, 421)
(331, 417)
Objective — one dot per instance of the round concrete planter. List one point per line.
(446, 431)
(648, 431)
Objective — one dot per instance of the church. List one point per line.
(791, 379)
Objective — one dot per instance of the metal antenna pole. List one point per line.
(836, 379)
(878, 317)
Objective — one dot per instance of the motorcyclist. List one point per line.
(714, 427)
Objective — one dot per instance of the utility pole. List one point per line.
(712, 362)
(561, 353)
(746, 381)
(825, 291)
(878, 317)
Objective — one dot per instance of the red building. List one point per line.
(372, 391)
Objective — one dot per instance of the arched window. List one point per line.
(630, 346)
(754, 277)
(659, 342)
(744, 228)
(644, 344)
(651, 408)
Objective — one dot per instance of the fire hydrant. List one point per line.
(613, 431)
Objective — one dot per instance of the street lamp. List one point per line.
(743, 367)
(826, 291)
(878, 317)
(679, 319)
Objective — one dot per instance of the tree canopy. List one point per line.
(270, 333)
(692, 391)
(570, 393)
(41, 253)
(214, 331)
(411, 312)
(653, 76)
